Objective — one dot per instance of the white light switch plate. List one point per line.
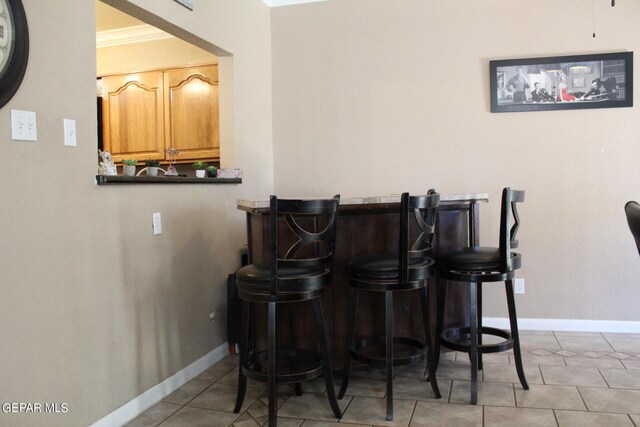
(23, 126)
(69, 133)
(157, 223)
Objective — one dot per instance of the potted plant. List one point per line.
(129, 167)
(212, 171)
(201, 168)
(152, 167)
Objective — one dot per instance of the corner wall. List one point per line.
(95, 309)
(377, 97)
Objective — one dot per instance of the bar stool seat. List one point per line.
(385, 266)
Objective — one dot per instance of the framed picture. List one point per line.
(562, 82)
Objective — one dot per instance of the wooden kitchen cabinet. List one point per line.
(145, 113)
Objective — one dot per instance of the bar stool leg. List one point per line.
(513, 320)
(389, 351)
(473, 335)
(272, 368)
(293, 336)
(441, 300)
(244, 349)
(479, 298)
(427, 339)
(326, 360)
(351, 327)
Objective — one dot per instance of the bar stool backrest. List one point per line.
(422, 209)
(632, 209)
(508, 234)
(301, 256)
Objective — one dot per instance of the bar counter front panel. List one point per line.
(367, 225)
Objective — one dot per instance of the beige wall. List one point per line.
(377, 97)
(94, 309)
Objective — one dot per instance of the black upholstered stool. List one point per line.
(301, 250)
(477, 265)
(407, 269)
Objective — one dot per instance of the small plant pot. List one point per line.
(152, 171)
(200, 173)
(129, 170)
(212, 174)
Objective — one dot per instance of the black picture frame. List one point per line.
(12, 74)
(603, 80)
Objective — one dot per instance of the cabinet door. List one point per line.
(191, 112)
(133, 117)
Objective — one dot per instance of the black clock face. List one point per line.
(14, 47)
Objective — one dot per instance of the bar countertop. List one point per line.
(250, 205)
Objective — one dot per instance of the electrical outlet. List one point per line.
(519, 286)
(23, 126)
(157, 224)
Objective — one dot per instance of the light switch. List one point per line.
(69, 133)
(23, 126)
(157, 223)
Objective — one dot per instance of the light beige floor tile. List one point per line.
(538, 333)
(509, 417)
(435, 414)
(456, 371)
(630, 346)
(418, 388)
(416, 370)
(218, 371)
(577, 334)
(550, 397)
(576, 376)
(187, 392)
(611, 400)
(535, 342)
(509, 374)
(312, 423)
(245, 420)
(532, 359)
(154, 415)
(231, 378)
(588, 362)
(620, 335)
(591, 419)
(364, 386)
(197, 417)
(581, 344)
(631, 364)
(500, 394)
(495, 359)
(311, 406)
(448, 355)
(636, 419)
(373, 411)
(622, 378)
(222, 397)
(282, 422)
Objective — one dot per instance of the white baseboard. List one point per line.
(155, 394)
(566, 325)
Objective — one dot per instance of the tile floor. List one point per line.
(576, 379)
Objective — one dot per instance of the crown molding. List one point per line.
(276, 3)
(129, 35)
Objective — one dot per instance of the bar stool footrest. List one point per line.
(293, 366)
(455, 339)
(412, 350)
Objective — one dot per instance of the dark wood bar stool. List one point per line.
(632, 211)
(477, 265)
(301, 250)
(408, 269)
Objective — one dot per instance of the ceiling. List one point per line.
(109, 18)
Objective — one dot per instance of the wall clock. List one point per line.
(14, 48)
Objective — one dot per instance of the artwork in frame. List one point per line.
(562, 82)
